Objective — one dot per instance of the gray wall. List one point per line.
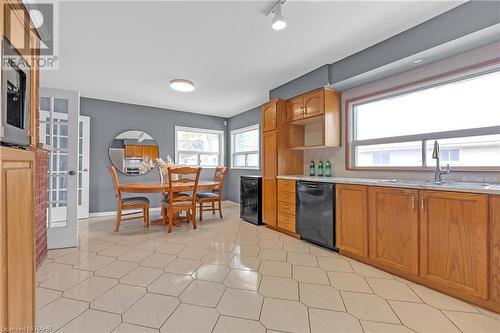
(108, 119)
(313, 80)
(248, 118)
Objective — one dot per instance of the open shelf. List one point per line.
(311, 133)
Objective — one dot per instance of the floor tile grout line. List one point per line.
(449, 319)
(88, 307)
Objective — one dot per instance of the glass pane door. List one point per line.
(59, 111)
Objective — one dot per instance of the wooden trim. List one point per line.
(404, 86)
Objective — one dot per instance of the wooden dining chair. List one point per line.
(128, 203)
(181, 194)
(215, 195)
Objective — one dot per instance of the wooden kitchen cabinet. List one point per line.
(352, 219)
(269, 173)
(269, 202)
(286, 205)
(133, 151)
(310, 104)
(314, 103)
(393, 228)
(314, 120)
(269, 152)
(277, 159)
(151, 152)
(295, 107)
(142, 151)
(269, 121)
(17, 237)
(454, 241)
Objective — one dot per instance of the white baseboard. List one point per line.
(112, 213)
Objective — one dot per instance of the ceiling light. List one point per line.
(182, 85)
(419, 61)
(278, 19)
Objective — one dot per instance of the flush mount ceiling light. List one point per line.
(182, 85)
(278, 19)
(419, 61)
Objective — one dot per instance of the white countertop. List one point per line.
(486, 188)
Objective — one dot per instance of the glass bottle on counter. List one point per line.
(312, 169)
(320, 169)
(328, 169)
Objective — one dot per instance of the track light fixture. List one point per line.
(278, 19)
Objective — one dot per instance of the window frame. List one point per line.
(220, 154)
(435, 81)
(233, 133)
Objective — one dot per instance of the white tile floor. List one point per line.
(231, 276)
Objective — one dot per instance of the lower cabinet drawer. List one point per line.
(286, 221)
(286, 185)
(288, 197)
(286, 207)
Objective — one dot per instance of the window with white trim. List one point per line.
(399, 130)
(199, 147)
(245, 147)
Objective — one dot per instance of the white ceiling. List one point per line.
(129, 51)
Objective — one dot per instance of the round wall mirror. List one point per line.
(134, 152)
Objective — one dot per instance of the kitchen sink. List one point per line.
(401, 181)
(471, 185)
(464, 185)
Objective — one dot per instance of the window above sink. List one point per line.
(397, 131)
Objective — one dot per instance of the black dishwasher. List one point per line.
(316, 213)
(251, 199)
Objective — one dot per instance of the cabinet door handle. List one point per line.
(422, 204)
(413, 203)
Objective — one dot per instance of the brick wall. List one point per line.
(41, 185)
(41, 161)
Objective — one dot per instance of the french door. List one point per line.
(83, 166)
(59, 128)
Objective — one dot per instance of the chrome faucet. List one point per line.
(438, 172)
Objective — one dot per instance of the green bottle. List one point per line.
(320, 169)
(312, 169)
(328, 169)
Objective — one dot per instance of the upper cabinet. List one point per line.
(139, 151)
(314, 120)
(305, 106)
(269, 117)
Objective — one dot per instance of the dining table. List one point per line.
(163, 187)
